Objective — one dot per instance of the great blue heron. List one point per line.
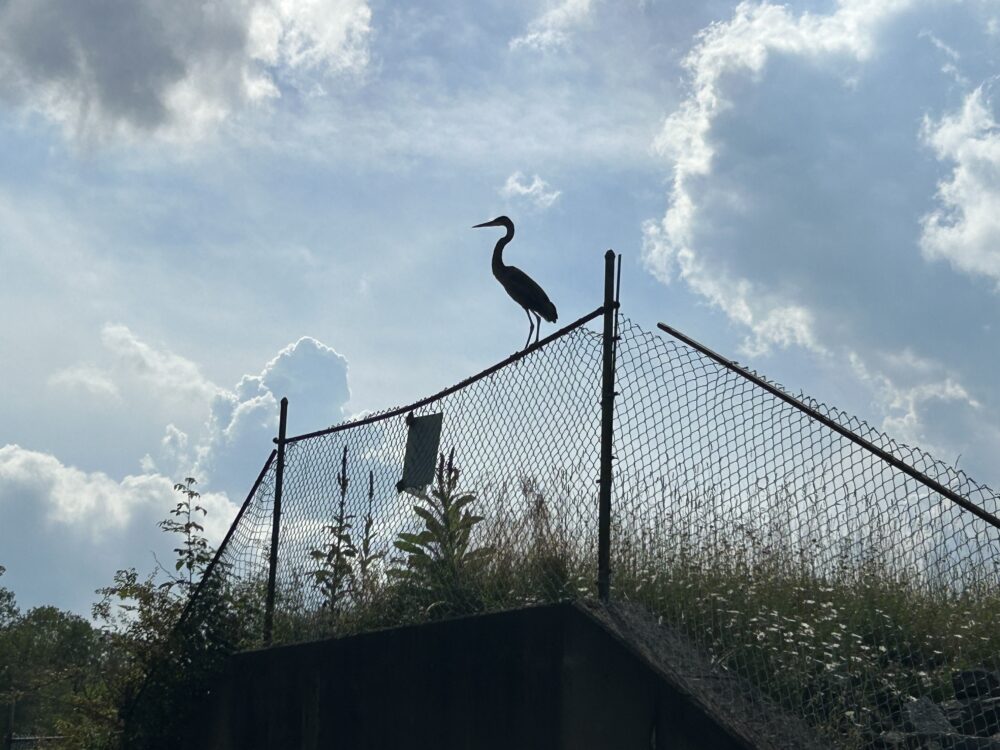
(521, 287)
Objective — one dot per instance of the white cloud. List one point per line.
(92, 503)
(329, 34)
(170, 374)
(538, 191)
(223, 435)
(87, 524)
(553, 28)
(174, 449)
(133, 67)
(905, 403)
(950, 66)
(66, 531)
(965, 229)
(797, 188)
(742, 46)
(243, 421)
(771, 321)
(88, 378)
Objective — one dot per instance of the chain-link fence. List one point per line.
(508, 520)
(837, 584)
(821, 578)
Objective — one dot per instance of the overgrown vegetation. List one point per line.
(826, 627)
(440, 566)
(451, 561)
(45, 660)
(829, 628)
(61, 675)
(841, 629)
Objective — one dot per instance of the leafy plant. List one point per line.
(440, 561)
(335, 574)
(194, 554)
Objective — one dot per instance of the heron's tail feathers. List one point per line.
(548, 312)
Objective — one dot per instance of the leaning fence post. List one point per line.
(607, 431)
(279, 475)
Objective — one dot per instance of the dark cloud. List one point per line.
(805, 222)
(101, 67)
(105, 63)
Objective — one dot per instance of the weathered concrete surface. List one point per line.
(545, 677)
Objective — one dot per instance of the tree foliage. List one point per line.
(65, 676)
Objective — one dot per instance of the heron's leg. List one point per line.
(538, 326)
(531, 330)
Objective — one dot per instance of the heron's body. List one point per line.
(521, 287)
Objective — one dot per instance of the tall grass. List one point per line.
(841, 628)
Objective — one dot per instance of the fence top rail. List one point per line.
(398, 411)
(835, 426)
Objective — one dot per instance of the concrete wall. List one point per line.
(546, 677)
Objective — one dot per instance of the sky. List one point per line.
(206, 206)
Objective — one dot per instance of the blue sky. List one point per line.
(206, 206)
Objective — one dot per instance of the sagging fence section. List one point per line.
(838, 574)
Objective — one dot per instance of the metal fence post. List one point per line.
(607, 431)
(279, 475)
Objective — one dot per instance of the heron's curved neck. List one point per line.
(498, 264)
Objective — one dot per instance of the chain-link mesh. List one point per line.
(816, 579)
(841, 588)
(509, 519)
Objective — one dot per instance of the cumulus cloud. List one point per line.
(742, 46)
(66, 531)
(166, 372)
(127, 67)
(538, 192)
(100, 523)
(226, 433)
(795, 216)
(243, 421)
(771, 320)
(554, 27)
(965, 228)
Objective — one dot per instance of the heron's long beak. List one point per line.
(486, 224)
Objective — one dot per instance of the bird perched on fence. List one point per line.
(521, 287)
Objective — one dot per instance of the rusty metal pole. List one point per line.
(607, 431)
(279, 476)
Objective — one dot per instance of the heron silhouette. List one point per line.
(521, 287)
